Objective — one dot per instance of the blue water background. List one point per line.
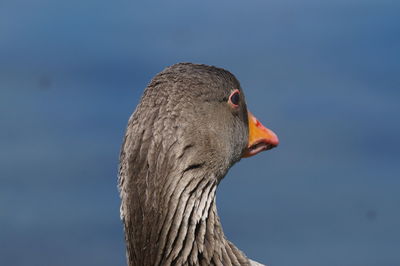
(324, 75)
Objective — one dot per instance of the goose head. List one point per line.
(190, 127)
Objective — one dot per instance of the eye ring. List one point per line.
(234, 98)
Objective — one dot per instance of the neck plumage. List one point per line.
(167, 184)
(175, 223)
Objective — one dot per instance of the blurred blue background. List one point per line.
(324, 75)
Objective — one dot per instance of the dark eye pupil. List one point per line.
(235, 98)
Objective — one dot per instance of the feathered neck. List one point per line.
(169, 209)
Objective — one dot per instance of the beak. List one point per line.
(260, 138)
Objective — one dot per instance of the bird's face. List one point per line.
(235, 129)
(199, 114)
(221, 124)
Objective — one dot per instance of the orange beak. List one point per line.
(260, 138)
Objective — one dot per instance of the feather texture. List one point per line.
(180, 142)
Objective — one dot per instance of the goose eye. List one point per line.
(234, 98)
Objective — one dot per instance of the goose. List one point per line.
(189, 128)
